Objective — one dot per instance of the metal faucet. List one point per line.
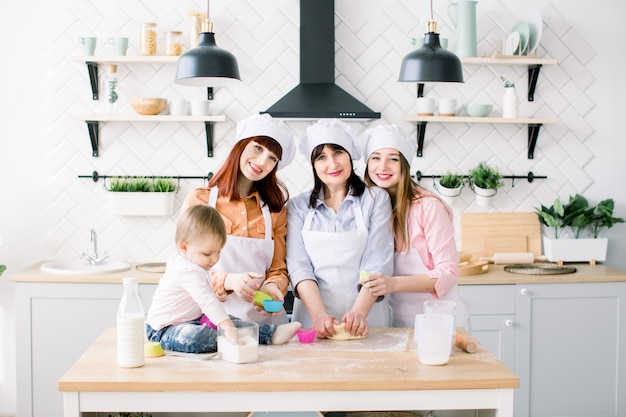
(94, 259)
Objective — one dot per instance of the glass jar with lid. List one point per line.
(148, 39)
(173, 43)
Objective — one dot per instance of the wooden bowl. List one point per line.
(148, 106)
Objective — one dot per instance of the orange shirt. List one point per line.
(244, 218)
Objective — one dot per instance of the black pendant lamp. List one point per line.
(431, 62)
(207, 65)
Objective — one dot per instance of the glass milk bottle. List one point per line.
(130, 326)
(110, 86)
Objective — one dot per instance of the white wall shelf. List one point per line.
(533, 127)
(93, 125)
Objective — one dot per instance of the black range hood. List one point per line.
(317, 96)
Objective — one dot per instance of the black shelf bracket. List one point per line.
(533, 134)
(92, 70)
(93, 127)
(533, 75)
(94, 136)
(208, 127)
(421, 132)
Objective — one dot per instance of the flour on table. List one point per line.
(342, 334)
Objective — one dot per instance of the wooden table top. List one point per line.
(385, 360)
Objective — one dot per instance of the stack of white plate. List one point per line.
(525, 35)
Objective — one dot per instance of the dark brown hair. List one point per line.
(354, 181)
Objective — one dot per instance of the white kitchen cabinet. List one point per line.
(492, 315)
(56, 323)
(570, 349)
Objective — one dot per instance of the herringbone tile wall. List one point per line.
(371, 39)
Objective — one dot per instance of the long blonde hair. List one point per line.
(407, 191)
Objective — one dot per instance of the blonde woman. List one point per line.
(426, 258)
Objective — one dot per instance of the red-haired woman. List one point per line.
(251, 201)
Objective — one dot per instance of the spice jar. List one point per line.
(173, 43)
(148, 39)
(110, 85)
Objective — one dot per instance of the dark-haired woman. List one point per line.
(251, 201)
(335, 231)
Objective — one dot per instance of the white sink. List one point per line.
(79, 268)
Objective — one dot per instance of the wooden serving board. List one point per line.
(473, 268)
(483, 234)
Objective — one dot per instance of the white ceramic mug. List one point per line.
(448, 107)
(426, 106)
(200, 107)
(179, 107)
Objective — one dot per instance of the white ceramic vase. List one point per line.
(510, 103)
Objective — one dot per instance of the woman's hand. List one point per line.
(243, 284)
(378, 284)
(271, 289)
(356, 323)
(325, 325)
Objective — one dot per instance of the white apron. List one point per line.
(336, 259)
(405, 305)
(245, 254)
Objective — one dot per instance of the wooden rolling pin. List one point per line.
(461, 342)
(513, 258)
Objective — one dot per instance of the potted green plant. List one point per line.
(485, 181)
(575, 228)
(450, 186)
(141, 196)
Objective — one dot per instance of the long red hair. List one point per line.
(272, 191)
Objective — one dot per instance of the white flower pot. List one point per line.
(449, 195)
(142, 203)
(484, 196)
(575, 250)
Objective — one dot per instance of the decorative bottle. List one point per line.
(510, 103)
(130, 327)
(110, 85)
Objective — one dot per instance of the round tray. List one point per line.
(157, 267)
(539, 269)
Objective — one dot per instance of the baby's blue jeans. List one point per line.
(193, 337)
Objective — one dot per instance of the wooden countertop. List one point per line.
(494, 275)
(385, 360)
(34, 274)
(584, 273)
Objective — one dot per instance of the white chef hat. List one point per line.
(388, 136)
(264, 125)
(332, 131)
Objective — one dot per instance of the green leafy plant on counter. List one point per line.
(2, 269)
(578, 215)
(485, 176)
(451, 180)
(142, 185)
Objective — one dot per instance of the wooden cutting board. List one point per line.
(483, 234)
